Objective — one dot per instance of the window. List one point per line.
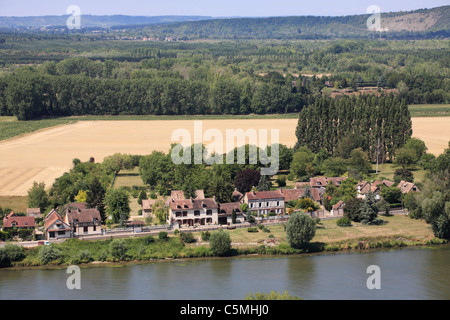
(51, 234)
(278, 203)
(184, 213)
(85, 229)
(196, 212)
(208, 220)
(178, 214)
(61, 233)
(267, 204)
(209, 212)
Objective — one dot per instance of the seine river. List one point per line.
(409, 273)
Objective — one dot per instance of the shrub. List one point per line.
(220, 243)
(118, 249)
(48, 254)
(176, 232)
(187, 237)
(344, 222)
(149, 239)
(300, 229)
(206, 235)
(83, 256)
(163, 235)
(252, 229)
(14, 252)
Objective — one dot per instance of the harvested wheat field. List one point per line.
(435, 131)
(46, 155)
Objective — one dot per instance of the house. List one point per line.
(263, 202)
(147, 207)
(322, 182)
(179, 195)
(407, 187)
(83, 220)
(55, 227)
(295, 194)
(190, 212)
(364, 187)
(383, 184)
(338, 209)
(226, 212)
(34, 212)
(14, 221)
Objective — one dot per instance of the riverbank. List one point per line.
(395, 232)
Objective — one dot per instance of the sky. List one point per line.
(227, 8)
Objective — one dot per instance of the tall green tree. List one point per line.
(118, 205)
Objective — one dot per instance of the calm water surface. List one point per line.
(410, 273)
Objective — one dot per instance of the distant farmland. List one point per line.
(45, 155)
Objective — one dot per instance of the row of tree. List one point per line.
(378, 125)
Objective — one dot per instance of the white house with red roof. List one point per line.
(263, 202)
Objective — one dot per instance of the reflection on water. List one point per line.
(411, 273)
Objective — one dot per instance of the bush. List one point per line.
(206, 235)
(300, 229)
(14, 252)
(82, 257)
(187, 237)
(220, 243)
(252, 229)
(118, 249)
(344, 222)
(163, 235)
(149, 239)
(48, 254)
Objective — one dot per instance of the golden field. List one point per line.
(45, 155)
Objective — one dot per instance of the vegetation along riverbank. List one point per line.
(395, 232)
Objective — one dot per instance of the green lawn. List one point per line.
(10, 127)
(387, 170)
(430, 110)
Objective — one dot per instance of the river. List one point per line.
(407, 273)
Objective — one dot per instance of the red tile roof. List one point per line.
(255, 195)
(19, 222)
(189, 204)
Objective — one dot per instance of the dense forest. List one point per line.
(378, 125)
(48, 76)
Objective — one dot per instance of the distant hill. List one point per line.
(92, 21)
(423, 23)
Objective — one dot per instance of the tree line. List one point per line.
(378, 125)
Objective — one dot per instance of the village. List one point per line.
(77, 220)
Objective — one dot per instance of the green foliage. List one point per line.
(48, 254)
(187, 237)
(352, 209)
(163, 235)
(300, 229)
(206, 235)
(391, 194)
(118, 249)
(220, 243)
(118, 205)
(344, 222)
(37, 196)
(252, 229)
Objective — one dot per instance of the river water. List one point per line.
(408, 273)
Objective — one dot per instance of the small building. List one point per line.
(226, 213)
(34, 212)
(12, 220)
(264, 202)
(364, 187)
(316, 194)
(407, 187)
(193, 212)
(147, 207)
(55, 227)
(83, 220)
(338, 209)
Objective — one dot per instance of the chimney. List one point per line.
(192, 201)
